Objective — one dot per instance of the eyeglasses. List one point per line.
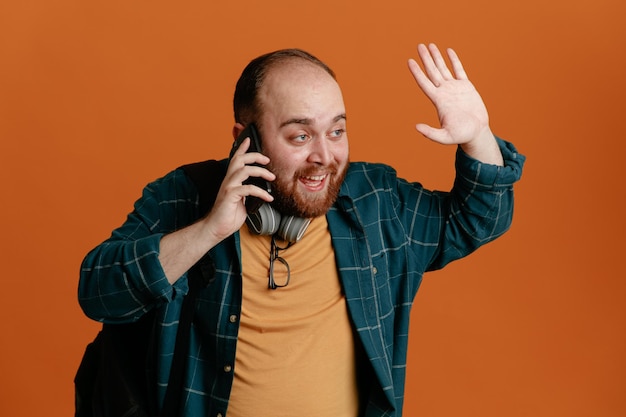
(283, 275)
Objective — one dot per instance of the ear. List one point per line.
(237, 129)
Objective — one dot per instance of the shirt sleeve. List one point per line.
(122, 278)
(479, 208)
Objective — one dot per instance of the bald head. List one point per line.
(246, 104)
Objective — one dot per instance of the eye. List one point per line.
(337, 133)
(300, 138)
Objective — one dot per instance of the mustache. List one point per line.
(313, 170)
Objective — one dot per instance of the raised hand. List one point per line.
(462, 114)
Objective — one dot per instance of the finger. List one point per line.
(252, 158)
(422, 80)
(429, 65)
(434, 134)
(457, 66)
(258, 171)
(243, 147)
(238, 176)
(440, 63)
(250, 190)
(234, 188)
(242, 157)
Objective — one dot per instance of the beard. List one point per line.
(290, 201)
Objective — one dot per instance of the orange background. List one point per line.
(98, 98)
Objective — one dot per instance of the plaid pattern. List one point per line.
(386, 233)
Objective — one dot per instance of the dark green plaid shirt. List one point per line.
(386, 232)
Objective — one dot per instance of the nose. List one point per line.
(321, 151)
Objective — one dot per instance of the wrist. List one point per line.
(484, 148)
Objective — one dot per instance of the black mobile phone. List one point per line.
(252, 203)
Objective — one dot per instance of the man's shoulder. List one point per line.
(191, 173)
(358, 171)
(207, 166)
(363, 178)
(366, 167)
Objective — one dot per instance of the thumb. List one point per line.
(436, 135)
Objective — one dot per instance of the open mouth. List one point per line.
(314, 182)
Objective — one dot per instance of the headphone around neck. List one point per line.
(268, 221)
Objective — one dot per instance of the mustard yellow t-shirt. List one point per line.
(295, 350)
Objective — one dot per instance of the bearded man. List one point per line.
(313, 325)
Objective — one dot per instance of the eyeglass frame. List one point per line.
(274, 256)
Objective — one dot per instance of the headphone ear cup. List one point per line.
(292, 228)
(264, 221)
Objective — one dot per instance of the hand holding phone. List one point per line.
(252, 203)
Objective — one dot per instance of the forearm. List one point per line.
(180, 250)
(122, 279)
(480, 205)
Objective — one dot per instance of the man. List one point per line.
(330, 338)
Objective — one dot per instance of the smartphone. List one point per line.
(252, 203)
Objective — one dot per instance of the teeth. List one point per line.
(316, 177)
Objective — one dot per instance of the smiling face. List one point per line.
(303, 125)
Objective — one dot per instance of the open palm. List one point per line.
(461, 111)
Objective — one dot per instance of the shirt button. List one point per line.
(233, 318)
(374, 270)
(228, 368)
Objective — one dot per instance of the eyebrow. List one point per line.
(307, 121)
